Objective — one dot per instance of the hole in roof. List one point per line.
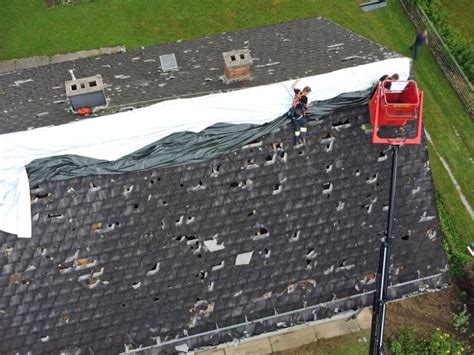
(269, 158)
(261, 231)
(234, 184)
(55, 215)
(156, 299)
(40, 195)
(251, 213)
(135, 206)
(406, 237)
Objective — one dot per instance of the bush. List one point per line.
(460, 47)
(453, 245)
(406, 341)
(461, 320)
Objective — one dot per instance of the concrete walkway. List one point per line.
(296, 336)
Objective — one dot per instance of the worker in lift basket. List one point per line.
(297, 113)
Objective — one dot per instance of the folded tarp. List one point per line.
(119, 135)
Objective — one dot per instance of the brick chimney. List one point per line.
(237, 65)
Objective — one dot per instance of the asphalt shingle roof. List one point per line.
(260, 231)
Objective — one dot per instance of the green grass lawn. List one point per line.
(460, 15)
(28, 28)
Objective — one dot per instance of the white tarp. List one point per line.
(111, 137)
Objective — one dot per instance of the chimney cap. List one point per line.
(237, 58)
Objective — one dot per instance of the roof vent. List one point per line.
(168, 62)
(237, 65)
(86, 92)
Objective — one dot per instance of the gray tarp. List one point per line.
(180, 148)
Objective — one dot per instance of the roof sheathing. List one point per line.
(123, 259)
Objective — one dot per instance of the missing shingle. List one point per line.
(370, 205)
(190, 220)
(215, 170)
(328, 168)
(246, 184)
(357, 172)
(92, 282)
(327, 188)
(270, 159)
(63, 268)
(253, 144)
(268, 252)
(201, 275)
(218, 266)
(212, 245)
(431, 234)
(282, 156)
(153, 270)
(311, 254)
(127, 189)
(250, 164)
(84, 263)
(425, 217)
(180, 221)
(55, 216)
(277, 146)
(295, 237)
(277, 189)
(341, 124)
(136, 285)
(382, 156)
(199, 186)
(328, 270)
(329, 146)
(15, 279)
(40, 196)
(93, 187)
(252, 213)
(372, 179)
(339, 206)
(244, 258)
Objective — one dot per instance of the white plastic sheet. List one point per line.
(111, 137)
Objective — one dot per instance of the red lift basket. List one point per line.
(392, 107)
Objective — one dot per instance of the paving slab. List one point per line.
(256, 347)
(302, 336)
(364, 318)
(211, 352)
(336, 328)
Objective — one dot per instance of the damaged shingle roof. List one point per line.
(255, 233)
(35, 97)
